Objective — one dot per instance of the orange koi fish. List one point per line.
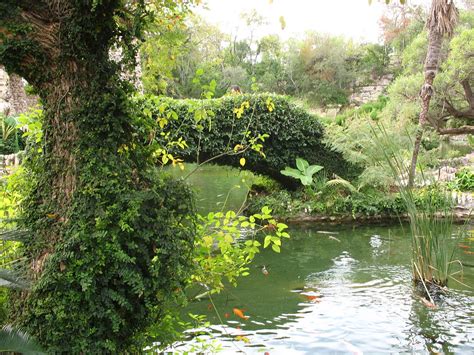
(227, 315)
(468, 252)
(239, 313)
(312, 298)
(463, 246)
(264, 270)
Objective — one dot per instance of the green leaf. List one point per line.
(313, 169)
(291, 172)
(301, 164)
(267, 241)
(306, 180)
(275, 248)
(276, 241)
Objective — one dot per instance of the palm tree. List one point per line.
(441, 23)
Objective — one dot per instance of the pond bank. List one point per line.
(460, 216)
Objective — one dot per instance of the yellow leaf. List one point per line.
(242, 161)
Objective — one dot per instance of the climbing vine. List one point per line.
(110, 237)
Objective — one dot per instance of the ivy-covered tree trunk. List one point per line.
(110, 239)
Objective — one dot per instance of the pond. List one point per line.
(339, 290)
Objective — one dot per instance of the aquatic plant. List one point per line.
(431, 220)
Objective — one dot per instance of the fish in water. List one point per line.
(239, 313)
(334, 238)
(427, 303)
(264, 270)
(312, 298)
(468, 252)
(227, 315)
(242, 338)
(463, 246)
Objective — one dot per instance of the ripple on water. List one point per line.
(351, 298)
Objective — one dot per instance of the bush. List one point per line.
(11, 140)
(211, 127)
(464, 180)
(264, 184)
(369, 203)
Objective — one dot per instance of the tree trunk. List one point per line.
(110, 238)
(435, 40)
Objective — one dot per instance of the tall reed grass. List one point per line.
(431, 218)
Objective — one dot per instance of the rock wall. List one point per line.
(13, 98)
(367, 93)
(9, 162)
(4, 92)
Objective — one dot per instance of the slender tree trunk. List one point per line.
(441, 22)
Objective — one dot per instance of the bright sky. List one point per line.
(352, 18)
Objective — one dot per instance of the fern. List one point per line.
(339, 182)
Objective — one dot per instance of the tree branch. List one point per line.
(456, 131)
(468, 93)
(468, 114)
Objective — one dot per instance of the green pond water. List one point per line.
(337, 290)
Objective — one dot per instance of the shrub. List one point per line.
(211, 127)
(464, 180)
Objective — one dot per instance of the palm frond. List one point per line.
(15, 340)
(16, 235)
(443, 17)
(11, 279)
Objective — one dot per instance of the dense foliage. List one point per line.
(110, 238)
(267, 130)
(10, 137)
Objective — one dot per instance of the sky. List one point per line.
(354, 19)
